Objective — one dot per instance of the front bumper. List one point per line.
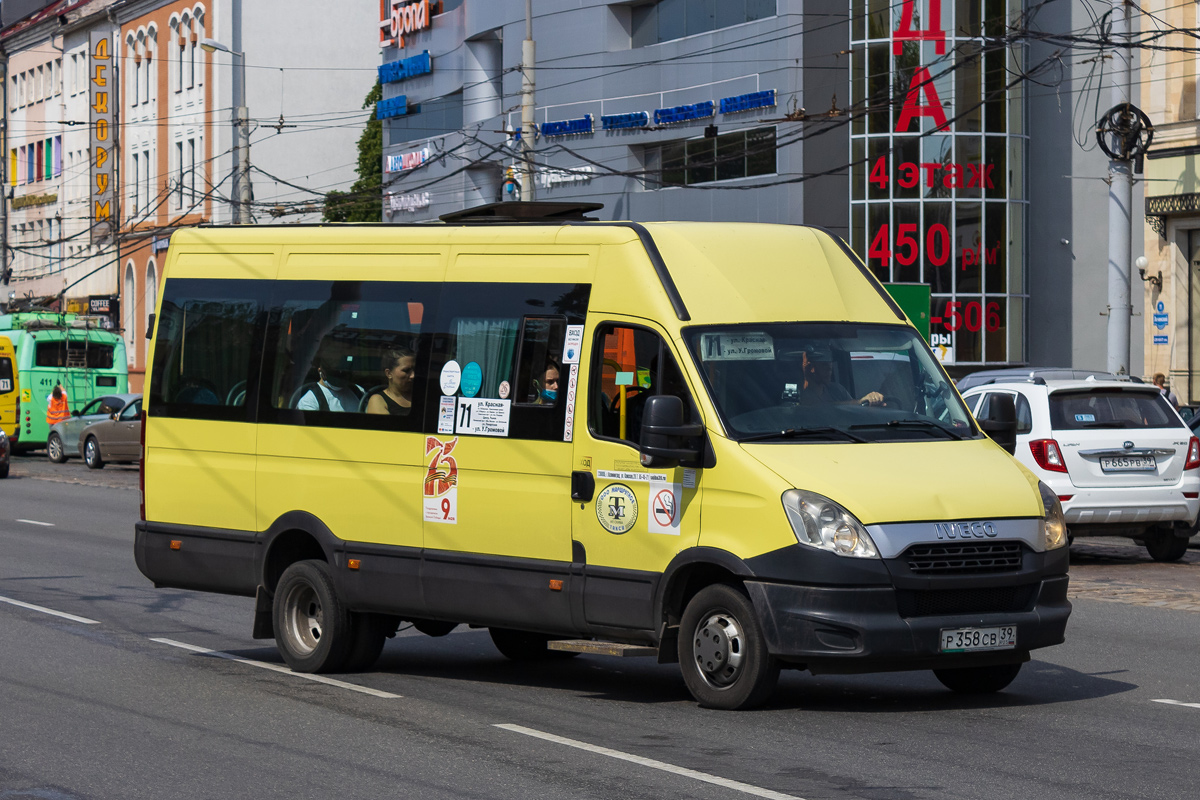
(874, 629)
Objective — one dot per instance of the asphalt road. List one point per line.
(111, 702)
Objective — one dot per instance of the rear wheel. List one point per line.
(978, 680)
(54, 449)
(3, 471)
(526, 646)
(91, 453)
(1164, 545)
(722, 651)
(313, 630)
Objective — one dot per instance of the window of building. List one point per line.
(664, 20)
(13, 163)
(178, 175)
(192, 198)
(730, 156)
(435, 117)
(148, 177)
(57, 77)
(134, 185)
(15, 99)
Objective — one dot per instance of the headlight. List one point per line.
(1054, 524)
(819, 522)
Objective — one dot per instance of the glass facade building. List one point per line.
(937, 144)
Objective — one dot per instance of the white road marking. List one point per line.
(737, 786)
(44, 610)
(276, 668)
(1177, 703)
(36, 522)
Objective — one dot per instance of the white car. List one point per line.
(1120, 458)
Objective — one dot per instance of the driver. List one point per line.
(817, 385)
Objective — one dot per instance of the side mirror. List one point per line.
(1001, 422)
(666, 439)
(113, 416)
(76, 413)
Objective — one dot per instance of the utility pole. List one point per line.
(527, 105)
(1120, 201)
(242, 123)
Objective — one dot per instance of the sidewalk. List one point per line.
(1120, 571)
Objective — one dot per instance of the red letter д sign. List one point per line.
(398, 17)
(102, 99)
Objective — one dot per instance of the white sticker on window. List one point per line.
(1085, 417)
(451, 377)
(479, 416)
(573, 344)
(572, 383)
(5, 385)
(446, 415)
(737, 347)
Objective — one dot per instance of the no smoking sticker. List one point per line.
(665, 508)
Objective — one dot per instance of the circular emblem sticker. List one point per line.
(451, 377)
(616, 508)
(472, 379)
(503, 390)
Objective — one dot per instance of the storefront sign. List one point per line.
(745, 102)
(105, 306)
(613, 122)
(405, 68)
(669, 116)
(392, 107)
(31, 200)
(549, 178)
(568, 126)
(408, 202)
(403, 161)
(102, 101)
(398, 18)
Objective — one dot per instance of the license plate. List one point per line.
(1127, 464)
(965, 640)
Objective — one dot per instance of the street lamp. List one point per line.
(241, 131)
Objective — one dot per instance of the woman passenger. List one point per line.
(399, 367)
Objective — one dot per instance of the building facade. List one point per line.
(898, 126)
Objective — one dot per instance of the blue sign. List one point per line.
(666, 116)
(568, 126)
(405, 68)
(612, 122)
(392, 107)
(472, 379)
(1161, 320)
(745, 102)
(1160, 338)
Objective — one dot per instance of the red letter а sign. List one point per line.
(922, 83)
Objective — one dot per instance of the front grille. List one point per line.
(964, 557)
(943, 602)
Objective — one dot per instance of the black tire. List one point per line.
(4, 471)
(526, 646)
(91, 453)
(978, 680)
(371, 632)
(313, 629)
(1164, 545)
(722, 651)
(55, 450)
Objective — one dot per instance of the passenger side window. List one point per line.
(630, 365)
(131, 411)
(346, 353)
(1024, 415)
(207, 346)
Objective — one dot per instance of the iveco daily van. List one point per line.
(719, 444)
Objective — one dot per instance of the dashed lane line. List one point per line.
(37, 522)
(45, 610)
(1177, 703)
(737, 786)
(276, 668)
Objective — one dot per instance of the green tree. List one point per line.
(364, 201)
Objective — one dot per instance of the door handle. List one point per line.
(583, 486)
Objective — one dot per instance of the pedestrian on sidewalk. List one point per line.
(1160, 381)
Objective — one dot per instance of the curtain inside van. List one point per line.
(490, 343)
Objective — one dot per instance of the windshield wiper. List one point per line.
(798, 433)
(925, 424)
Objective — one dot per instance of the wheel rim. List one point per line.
(91, 450)
(719, 647)
(303, 618)
(55, 448)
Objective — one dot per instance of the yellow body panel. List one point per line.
(10, 397)
(203, 473)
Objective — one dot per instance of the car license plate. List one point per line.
(1127, 464)
(964, 640)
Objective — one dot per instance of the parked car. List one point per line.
(987, 376)
(5, 453)
(1121, 461)
(117, 439)
(63, 441)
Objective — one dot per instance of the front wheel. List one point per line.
(54, 449)
(722, 651)
(1164, 545)
(91, 453)
(978, 680)
(313, 630)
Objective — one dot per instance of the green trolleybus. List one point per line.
(69, 349)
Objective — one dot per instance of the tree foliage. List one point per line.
(364, 201)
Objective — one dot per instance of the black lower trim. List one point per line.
(208, 559)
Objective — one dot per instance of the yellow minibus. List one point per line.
(721, 445)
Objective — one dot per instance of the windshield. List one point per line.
(1110, 408)
(827, 381)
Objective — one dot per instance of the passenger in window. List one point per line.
(545, 389)
(400, 370)
(334, 391)
(817, 385)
